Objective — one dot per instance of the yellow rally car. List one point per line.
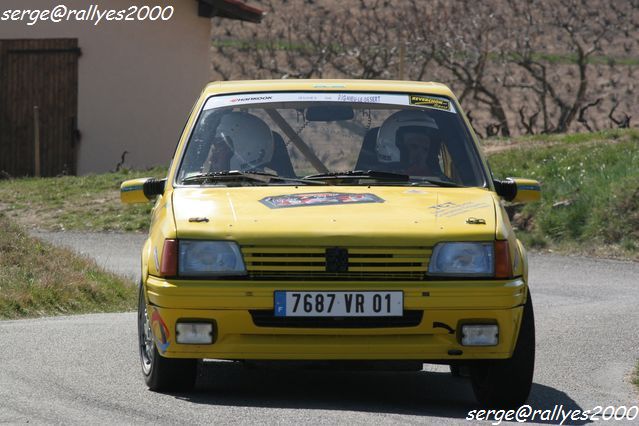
(334, 220)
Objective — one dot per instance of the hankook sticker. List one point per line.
(251, 99)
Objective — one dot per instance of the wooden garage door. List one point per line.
(38, 90)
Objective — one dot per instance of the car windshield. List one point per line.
(294, 138)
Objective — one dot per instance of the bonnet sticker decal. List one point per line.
(318, 199)
(451, 209)
(160, 331)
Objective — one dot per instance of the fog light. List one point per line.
(194, 333)
(480, 334)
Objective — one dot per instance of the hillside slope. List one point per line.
(590, 190)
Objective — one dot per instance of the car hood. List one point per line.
(383, 215)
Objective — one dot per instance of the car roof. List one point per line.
(340, 85)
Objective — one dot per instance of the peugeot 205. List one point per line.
(334, 221)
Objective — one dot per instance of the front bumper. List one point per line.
(229, 305)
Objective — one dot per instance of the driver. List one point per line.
(406, 139)
(242, 142)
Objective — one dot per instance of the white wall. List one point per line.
(137, 80)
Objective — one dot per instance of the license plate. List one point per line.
(339, 303)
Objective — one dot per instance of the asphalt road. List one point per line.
(116, 252)
(85, 368)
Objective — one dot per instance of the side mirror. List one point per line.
(141, 190)
(518, 190)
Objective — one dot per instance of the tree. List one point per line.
(542, 32)
(520, 66)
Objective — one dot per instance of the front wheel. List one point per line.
(160, 373)
(506, 383)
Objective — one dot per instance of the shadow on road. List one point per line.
(405, 393)
(547, 398)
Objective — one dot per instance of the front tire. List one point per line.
(160, 373)
(505, 384)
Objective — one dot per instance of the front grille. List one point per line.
(310, 263)
(266, 318)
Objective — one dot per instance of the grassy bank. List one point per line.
(37, 279)
(590, 201)
(75, 203)
(590, 190)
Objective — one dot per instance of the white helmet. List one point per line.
(386, 147)
(250, 138)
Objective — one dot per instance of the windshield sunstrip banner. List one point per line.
(423, 101)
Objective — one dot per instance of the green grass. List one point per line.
(609, 135)
(572, 58)
(75, 203)
(635, 378)
(590, 191)
(37, 279)
(590, 194)
(549, 58)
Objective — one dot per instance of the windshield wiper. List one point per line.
(436, 182)
(360, 174)
(382, 176)
(237, 176)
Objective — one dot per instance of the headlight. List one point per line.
(207, 258)
(463, 260)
